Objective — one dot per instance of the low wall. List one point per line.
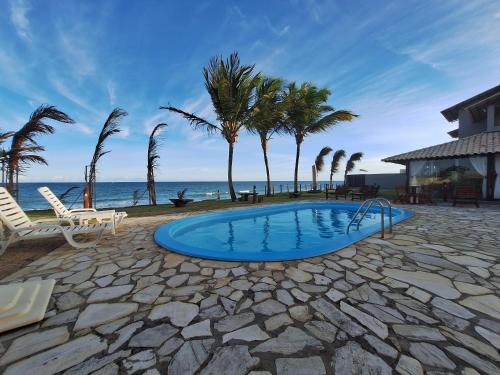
(385, 180)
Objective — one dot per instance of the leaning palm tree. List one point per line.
(351, 164)
(306, 112)
(153, 158)
(111, 126)
(266, 117)
(231, 88)
(334, 168)
(24, 147)
(319, 163)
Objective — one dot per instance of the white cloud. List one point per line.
(18, 16)
(276, 30)
(63, 90)
(77, 53)
(124, 133)
(111, 88)
(151, 121)
(15, 77)
(84, 128)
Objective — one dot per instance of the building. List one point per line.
(473, 158)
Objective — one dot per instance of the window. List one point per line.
(442, 172)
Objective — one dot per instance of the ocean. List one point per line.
(120, 194)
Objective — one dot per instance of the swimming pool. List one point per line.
(271, 233)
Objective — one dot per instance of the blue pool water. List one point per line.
(270, 233)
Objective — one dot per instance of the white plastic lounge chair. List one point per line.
(22, 228)
(81, 215)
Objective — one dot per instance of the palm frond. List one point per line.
(266, 116)
(36, 125)
(153, 158)
(4, 136)
(337, 157)
(320, 159)
(331, 119)
(65, 194)
(110, 127)
(195, 121)
(231, 87)
(352, 162)
(31, 158)
(24, 140)
(154, 140)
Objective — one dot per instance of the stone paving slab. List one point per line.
(426, 299)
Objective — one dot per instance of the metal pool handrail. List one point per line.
(381, 202)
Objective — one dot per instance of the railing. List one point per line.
(365, 207)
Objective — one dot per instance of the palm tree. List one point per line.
(306, 112)
(334, 168)
(4, 155)
(266, 116)
(111, 126)
(153, 158)
(24, 147)
(351, 164)
(231, 88)
(319, 163)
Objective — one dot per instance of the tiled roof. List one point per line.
(478, 144)
(451, 114)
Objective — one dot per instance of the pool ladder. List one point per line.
(365, 207)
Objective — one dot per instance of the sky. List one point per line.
(396, 64)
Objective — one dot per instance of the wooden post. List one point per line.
(490, 176)
(254, 195)
(281, 188)
(218, 195)
(407, 176)
(273, 190)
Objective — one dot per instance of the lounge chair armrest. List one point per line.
(77, 210)
(60, 220)
(92, 214)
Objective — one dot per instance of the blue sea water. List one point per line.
(120, 194)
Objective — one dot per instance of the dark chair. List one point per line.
(366, 192)
(339, 191)
(402, 195)
(372, 191)
(466, 194)
(425, 195)
(361, 194)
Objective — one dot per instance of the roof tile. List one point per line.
(477, 144)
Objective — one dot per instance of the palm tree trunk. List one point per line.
(17, 183)
(296, 175)
(230, 172)
(151, 189)
(314, 177)
(11, 171)
(263, 142)
(91, 186)
(331, 180)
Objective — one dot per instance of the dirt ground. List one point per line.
(23, 253)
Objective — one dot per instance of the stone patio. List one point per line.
(425, 300)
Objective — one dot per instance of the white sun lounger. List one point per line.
(82, 215)
(22, 228)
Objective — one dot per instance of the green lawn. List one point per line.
(162, 209)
